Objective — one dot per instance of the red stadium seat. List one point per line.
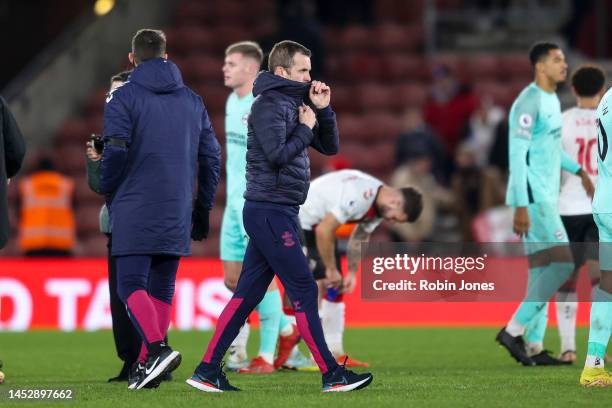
(73, 131)
(375, 97)
(95, 245)
(85, 195)
(344, 99)
(404, 67)
(399, 10)
(410, 94)
(382, 126)
(214, 96)
(355, 37)
(188, 39)
(396, 37)
(362, 67)
(515, 66)
(95, 103)
(481, 67)
(200, 68)
(351, 128)
(87, 219)
(70, 159)
(195, 11)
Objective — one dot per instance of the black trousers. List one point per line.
(127, 339)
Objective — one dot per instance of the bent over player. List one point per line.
(343, 197)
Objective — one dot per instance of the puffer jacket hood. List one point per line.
(267, 81)
(158, 75)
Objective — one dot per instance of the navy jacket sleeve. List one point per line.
(14, 144)
(326, 139)
(270, 130)
(209, 163)
(117, 136)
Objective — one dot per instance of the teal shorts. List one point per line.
(233, 236)
(604, 225)
(546, 229)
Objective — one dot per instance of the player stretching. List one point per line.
(579, 141)
(536, 159)
(281, 128)
(336, 198)
(594, 374)
(242, 62)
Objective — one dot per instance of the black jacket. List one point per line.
(278, 167)
(12, 151)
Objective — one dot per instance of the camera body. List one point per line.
(98, 143)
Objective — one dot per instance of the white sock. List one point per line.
(287, 330)
(567, 307)
(237, 350)
(514, 328)
(534, 348)
(332, 320)
(268, 357)
(594, 362)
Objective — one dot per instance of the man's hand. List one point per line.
(307, 116)
(587, 184)
(200, 222)
(349, 282)
(91, 152)
(320, 94)
(333, 278)
(520, 225)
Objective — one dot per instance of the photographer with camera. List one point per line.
(127, 340)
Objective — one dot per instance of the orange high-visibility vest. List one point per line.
(47, 219)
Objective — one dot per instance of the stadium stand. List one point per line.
(376, 72)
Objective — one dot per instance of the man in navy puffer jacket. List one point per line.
(282, 125)
(157, 133)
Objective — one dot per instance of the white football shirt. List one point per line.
(348, 194)
(579, 140)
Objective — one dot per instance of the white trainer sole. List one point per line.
(201, 386)
(351, 387)
(160, 368)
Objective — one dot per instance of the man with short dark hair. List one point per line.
(579, 141)
(347, 197)
(12, 152)
(281, 128)
(536, 160)
(242, 63)
(156, 133)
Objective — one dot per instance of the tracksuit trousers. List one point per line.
(273, 249)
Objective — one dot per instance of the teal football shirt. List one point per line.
(236, 115)
(602, 202)
(535, 153)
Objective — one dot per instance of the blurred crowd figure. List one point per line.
(454, 149)
(449, 107)
(46, 223)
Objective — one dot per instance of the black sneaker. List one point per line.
(515, 346)
(210, 379)
(544, 358)
(342, 380)
(123, 374)
(135, 375)
(158, 364)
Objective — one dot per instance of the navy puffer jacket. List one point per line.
(278, 167)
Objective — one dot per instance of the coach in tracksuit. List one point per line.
(281, 127)
(156, 132)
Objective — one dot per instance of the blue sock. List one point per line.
(270, 312)
(601, 324)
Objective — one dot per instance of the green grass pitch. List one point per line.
(412, 367)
